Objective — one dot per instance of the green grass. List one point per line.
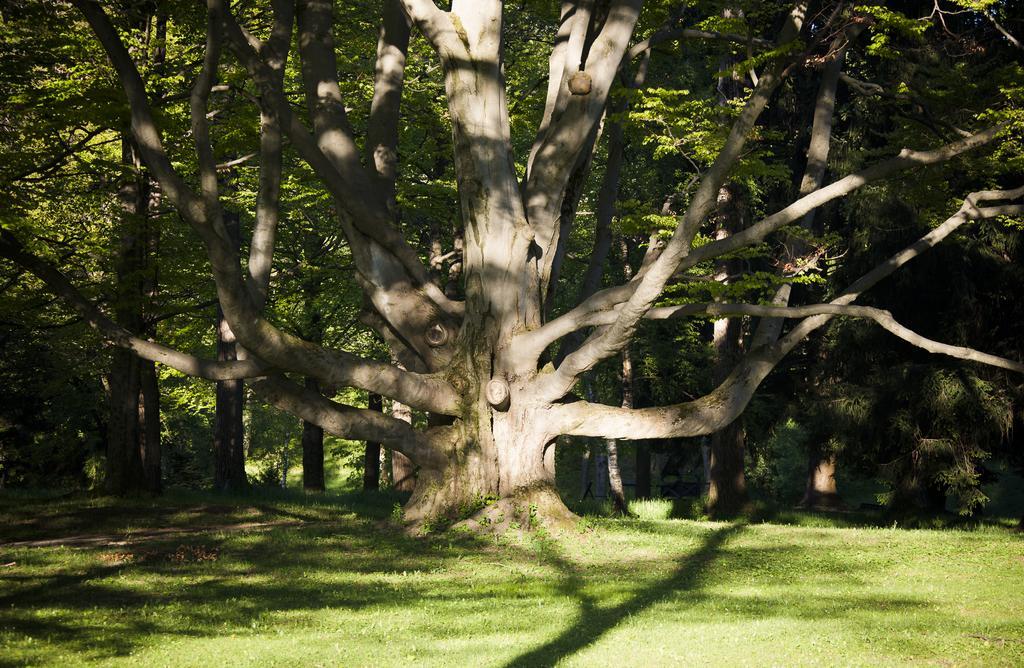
(338, 587)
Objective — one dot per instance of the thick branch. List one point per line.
(717, 409)
(268, 204)
(345, 421)
(382, 129)
(610, 298)
(436, 26)
(200, 125)
(558, 150)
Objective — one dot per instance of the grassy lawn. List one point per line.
(288, 581)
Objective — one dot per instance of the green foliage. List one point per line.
(778, 466)
(888, 27)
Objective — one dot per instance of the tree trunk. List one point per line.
(228, 428)
(371, 456)
(727, 491)
(615, 478)
(312, 450)
(124, 472)
(134, 396)
(509, 462)
(614, 474)
(149, 426)
(821, 491)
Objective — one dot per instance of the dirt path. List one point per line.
(110, 539)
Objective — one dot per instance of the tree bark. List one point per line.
(124, 472)
(727, 491)
(585, 471)
(614, 474)
(228, 429)
(312, 450)
(149, 426)
(371, 454)
(615, 478)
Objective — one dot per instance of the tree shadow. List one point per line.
(97, 610)
(593, 621)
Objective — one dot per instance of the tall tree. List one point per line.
(483, 361)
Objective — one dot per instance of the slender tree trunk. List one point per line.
(228, 428)
(312, 450)
(727, 492)
(149, 425)
(821, 490)
(614, 474)
(312, 435)
(228, 431)
(615, 478)
(371, 457)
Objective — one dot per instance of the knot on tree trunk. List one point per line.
(497, 393)
(580, 83)
(436, 335)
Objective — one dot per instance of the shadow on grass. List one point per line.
(160, 587)
(687, 586)
(101, 610)
(594, 621)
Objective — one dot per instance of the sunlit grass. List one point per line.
(337, 587)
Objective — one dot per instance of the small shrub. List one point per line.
(651, 509)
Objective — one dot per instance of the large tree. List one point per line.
(483, 364)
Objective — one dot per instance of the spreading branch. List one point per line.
(610, 298)
(721, 406)
(275, 347)
(648, 287)
(115, 334)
